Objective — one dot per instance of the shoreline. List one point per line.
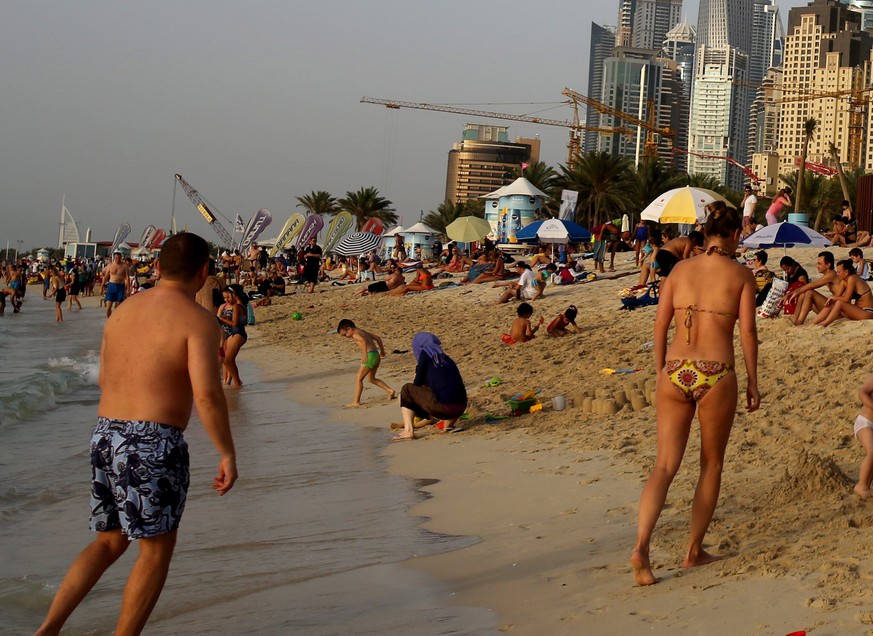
(791, 534)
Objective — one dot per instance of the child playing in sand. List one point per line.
(559, 326)
(864, 433)
(371, 357)
(522, 330)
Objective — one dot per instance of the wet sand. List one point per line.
(554, 494)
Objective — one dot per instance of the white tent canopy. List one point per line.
(393, 231)
(419, 228)
(520, 186)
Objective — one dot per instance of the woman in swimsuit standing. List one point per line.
(233, 319)
(705, 295)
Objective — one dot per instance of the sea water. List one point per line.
(310, 540)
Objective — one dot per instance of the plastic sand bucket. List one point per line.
(559, 402)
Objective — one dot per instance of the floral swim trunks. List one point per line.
(140, 477)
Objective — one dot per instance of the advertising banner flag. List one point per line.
(257, 224)
(311, 228)
(120, 234)
(147, 235)
(568, 205)
(157, 239)
(291, 228)
(341, 224)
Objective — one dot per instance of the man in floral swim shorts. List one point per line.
(139, 458)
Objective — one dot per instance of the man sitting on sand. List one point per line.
(855, 291)
(526, 288)
(810, 300)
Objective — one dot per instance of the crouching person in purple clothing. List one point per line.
(437, 392)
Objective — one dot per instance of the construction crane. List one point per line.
(651, 127)
(576, 128)
(200, 203)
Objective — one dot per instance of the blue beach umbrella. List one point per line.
(575, 232)
(785, 235)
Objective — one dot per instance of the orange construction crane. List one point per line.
(575, 145)
(650, 126)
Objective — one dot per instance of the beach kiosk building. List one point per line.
(418, 235)
(510, 208)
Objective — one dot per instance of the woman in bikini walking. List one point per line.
(706, 296)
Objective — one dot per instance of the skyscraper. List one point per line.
(825, 52)
(653, 19)
(482, 162)
(721, 97)
(602, 42)
(768, 40)
(679, 47)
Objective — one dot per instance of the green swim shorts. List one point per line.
(372, 360)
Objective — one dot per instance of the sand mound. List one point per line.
(811, 477)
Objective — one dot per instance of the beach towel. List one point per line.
(771, 307)
(639, 296)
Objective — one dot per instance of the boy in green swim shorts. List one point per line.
(371, 351)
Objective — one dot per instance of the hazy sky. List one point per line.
(256, 102)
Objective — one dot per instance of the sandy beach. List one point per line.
(553, 495)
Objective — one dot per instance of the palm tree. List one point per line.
(318, 202)
(366, 203)
(808, 130)
(826, 193)
(447, 212)
(652, 179)
(604, 184)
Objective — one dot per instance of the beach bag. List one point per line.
(790, 306)
(771, 306)
(251, 313)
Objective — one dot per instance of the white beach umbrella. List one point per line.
(682, 205)
(785, 235)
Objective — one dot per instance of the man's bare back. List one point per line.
(153, 346)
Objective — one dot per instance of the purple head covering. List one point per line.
(427, 343)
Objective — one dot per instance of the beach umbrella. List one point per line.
(466, 229)
(682, 205)
(357, 243)
(553, 231)
(785, 235)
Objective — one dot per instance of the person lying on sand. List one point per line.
(393, 281)
(423, 282)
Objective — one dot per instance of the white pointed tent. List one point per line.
(520, 186)
(512, 207)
